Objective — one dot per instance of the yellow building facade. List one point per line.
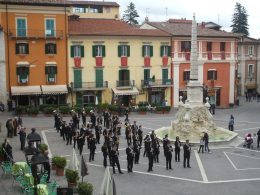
(123, 65)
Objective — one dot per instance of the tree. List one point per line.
(130, 14)
(240, 23)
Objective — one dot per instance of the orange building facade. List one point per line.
(35, 39)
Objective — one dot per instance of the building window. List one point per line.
(185, 46)
(51, 72)
(212, 75)
(96, 9)
(147, 50)
(23, 74)
(186, 75)
(79, 10)
(98, 51)
(50, 27)
(165, 50)
(77, 51)
(21, 27)
(250, 70)
(222, 46)
(123, 50)
(250, 50)
(209, 46)
(88, 99)
(50, 48)
(22, 48)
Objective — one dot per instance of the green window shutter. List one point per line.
(77, 78)
(99, 77)
(46, 70)
(27, 70)
(18, 71)
(169, 51)
(216, 75)
(127, 75)
(79, 99)
(164, 75)
(94, 51)
(72, 51)
(120, 75)
(103, 51)
(27, 48)
(208, 75)
(119, 50)
(82, 51)
(16, 48)
(128, 50)
(161, 52)
(143, 49)
(55, 70)
(146, 74)
(151, 51)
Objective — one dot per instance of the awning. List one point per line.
(251, 86)
(26, 90)
(54, 89)
(133, 91)
(22, 63)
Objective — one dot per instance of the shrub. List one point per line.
(43, 147)
(142, 109)
(163, 108)
(64, 109)
(85, 188)
(60, 162)
(33, 111)
(141, 104)
(77, 108)
(48, 110)
(71, 175)
(21, 109)
(43, 106)
(113, 107)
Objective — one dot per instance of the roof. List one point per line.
(59, 2)
(110, 27)
(102, 3)
(183, 28)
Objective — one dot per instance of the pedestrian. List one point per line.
(22, 135)
(177, 149)
(81, 142)
(202, 143)
(150, 155)
(92, 119)
(258, 138)
(105, 153)
(186, 154)
(115, 160)
(70, 132)
(206, 139)
(168, 155)
(92, 147)
(156, 149)
(231, 123)
(9, 127)
(15, 125)
(126, 114)
(212, 108)
(165, 142)
(8, 153)
(97, 132)
(140, 135)
(137, 153)
(130, 158)
(84, 116)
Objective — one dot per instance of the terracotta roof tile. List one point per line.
(109, 27)
(179, 28)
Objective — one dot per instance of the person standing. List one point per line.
(206, 139)
(202, 143)
(130, 158)
(22, 135)
(81, 142)
(186, 154)
(231, 123)
(258, 138)
(92, 147)
(92, 119)
(126, 114)
(165, 142)
(140, 135)
(15, 125)
(70, 131)
(105, 153)
(137, 153)
(97, 132)
(9, 127)
(84, 116)
(177, 149)
(115, 160)
(168, 155)
(150, 155)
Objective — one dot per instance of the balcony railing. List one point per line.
(157, 83)
(89, 85)
(125, 83)
(35, 34)
(185, 56)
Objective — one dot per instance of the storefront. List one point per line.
(156, 95)
(54, 94)
(125, 97)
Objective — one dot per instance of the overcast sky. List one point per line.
(219, 11)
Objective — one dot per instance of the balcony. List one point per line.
(35, 34)
(84, 86)
(150, 83)
(212, 56)
(125, 84)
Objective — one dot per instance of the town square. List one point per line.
(108, 98)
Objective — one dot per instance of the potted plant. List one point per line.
(142, 110)
(32, 111)
(53, 162)
(60, 165)
(159, 109)
(72, 177)
(85, 188)
(43, 148)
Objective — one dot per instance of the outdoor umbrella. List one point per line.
(84, 168)
(96, 101)
(108, 186)
(74, 163)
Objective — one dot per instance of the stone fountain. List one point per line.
(193, 118)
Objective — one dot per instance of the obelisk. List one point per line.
(194, 87)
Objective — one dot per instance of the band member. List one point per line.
(115, 160)
(81, 142)
(98, 132)
(137, 153)
(92, 147)
(84, 116)
(186, 154)
(105, 153)
(130, 158)
(140, 135)
(150, 155)
(177, 145)
(168, 155)
(156, 149)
